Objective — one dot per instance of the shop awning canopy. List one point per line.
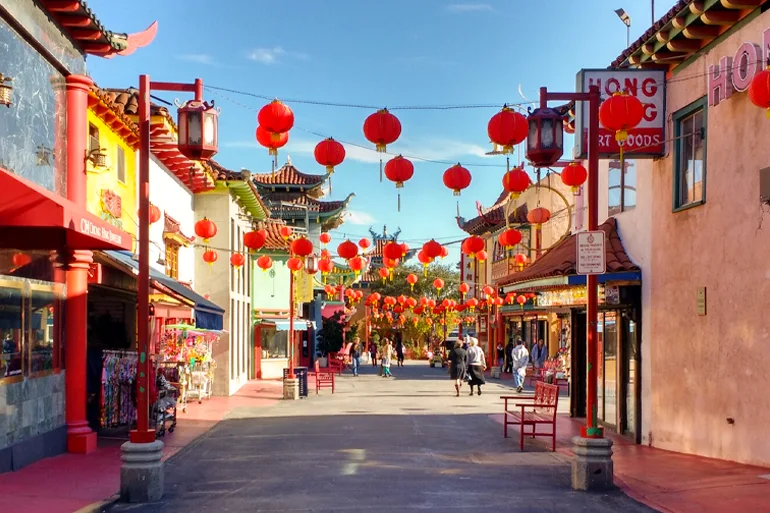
(208, 315)
(32, 217)
(283, 324)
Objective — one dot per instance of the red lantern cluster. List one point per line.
(516, 181)
(621, 112)
(275, 120)
(457, 178)
(399, 170)
(574, 175)
(329, 153)
(393, 250)
(271, 141)
(507, 129)
(382, 128)
(473, 245)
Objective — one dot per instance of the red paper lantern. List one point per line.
(425, 260)
(412, 279)
(444, 252)
(326, 266)
(621, 112)
(382, 128)
(364, 243)
(392, 250)
(472, 303)
(521, 300)
(285, 232)
(520, 260)
(325, 253)
(325, 238)
(384, 273)
(330, 290)
(574, 175)
(301, 247)
(432, 249)
(510, 298)
(539, 216)
(205, 229)
(481, 256)
(759, 90)
(390, 263)
(276, 117)
(329, 153)
(21, 259)
(264, 262)
(294, 264)
(472, 245)
(399, 170)
(464, 288)
(255, 239)
(516, 181)
(507, 129)
(347, 250)
(509, 238)
(457, 178)
(154, 214)
(438, 283)
(210, 256)
(271, 140)
(488, 290)
(237, 260)
(357, 264)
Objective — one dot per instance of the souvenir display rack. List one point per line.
(190, 348)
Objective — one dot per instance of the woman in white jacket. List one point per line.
(477, 364)
(520, 358)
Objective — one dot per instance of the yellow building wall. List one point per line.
(100, 180)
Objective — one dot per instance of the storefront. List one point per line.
(272, 347)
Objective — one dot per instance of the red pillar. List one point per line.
(80, 438)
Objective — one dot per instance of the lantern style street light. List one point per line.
(544, 141)
(141, 476)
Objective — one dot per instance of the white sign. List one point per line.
(591, 258)
(647, 139)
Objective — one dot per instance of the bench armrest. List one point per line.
(535, 405)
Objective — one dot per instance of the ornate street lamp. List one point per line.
(545, 140)
(198, 129)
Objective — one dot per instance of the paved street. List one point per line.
(377, 444)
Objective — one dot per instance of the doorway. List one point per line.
(578, 365)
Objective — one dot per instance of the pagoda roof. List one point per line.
(290, 179)
(315, 206)
(84, 28)
(376, 253)
(561, 259)
(490, 219)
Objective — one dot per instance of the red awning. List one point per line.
(32, 217)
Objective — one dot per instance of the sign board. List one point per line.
(644, 141)
(701, 300)
(735, 73)
(591, 258)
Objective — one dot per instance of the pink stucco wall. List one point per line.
(706, 369)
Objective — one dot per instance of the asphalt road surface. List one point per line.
(398, 444)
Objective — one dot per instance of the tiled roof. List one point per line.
(492, 219)
(274, 200)
(685, 30)
(171, 226)
(248, 193)
(82, 25)
(288, 175)
(561, 260)
(102, 103)
(275, 242)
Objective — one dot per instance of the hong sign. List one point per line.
(647, 139)
(734, 73)
(591, 258)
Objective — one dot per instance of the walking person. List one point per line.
(400, 353)
(457, 365)
(509, 357)
(500, 352)
(520, 360)
(539, 355)
(386, 357)
(355, 355)
(373, 353)
(477, 364)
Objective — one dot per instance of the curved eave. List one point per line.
(248, 197)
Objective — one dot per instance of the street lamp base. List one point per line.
(592, 469)
(141, 473)
(291, 389)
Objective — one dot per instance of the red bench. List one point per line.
(531, 411)
(324, 378)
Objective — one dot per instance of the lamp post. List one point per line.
(626, 19)
(141, 477)
(592, 466)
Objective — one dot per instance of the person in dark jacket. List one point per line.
(508, 357)
(399, 353)
(457, 365)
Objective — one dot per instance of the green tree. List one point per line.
(424, 286)
(331, 335)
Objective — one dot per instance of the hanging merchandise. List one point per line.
(191, 348)
(118, 406)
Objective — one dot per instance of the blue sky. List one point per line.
(399, 52)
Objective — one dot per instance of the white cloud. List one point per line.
(274, 55)
(199, 58)
(459, 8)
(359, 217)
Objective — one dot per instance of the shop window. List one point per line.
(621, 187)
(690, 155)
(172, 259)
(93, 138)
(121, 164)
(11, 331)
(274, 343)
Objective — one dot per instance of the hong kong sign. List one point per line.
(644, 141)
(734, 73)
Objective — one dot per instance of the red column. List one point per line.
(80, 438)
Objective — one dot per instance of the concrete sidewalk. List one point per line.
(75, 483)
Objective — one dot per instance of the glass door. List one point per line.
(610, 367)
(630, 376)
(600, 366)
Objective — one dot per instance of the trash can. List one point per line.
(301, 374)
